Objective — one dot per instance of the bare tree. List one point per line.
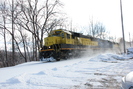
(97, 30)
(113, 38)
(38, 20)
(22, 38)
(3, 13)
(31, 17)
(92, 31)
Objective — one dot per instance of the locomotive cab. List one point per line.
(58, 37)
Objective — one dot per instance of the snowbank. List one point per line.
(103, 71)
(109, 58)
(130, 52)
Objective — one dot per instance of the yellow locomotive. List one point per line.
(61, 44)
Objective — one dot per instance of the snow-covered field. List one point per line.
(103, 71)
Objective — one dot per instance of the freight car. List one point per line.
(61, 44)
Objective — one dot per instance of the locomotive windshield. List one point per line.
(59, 33)
(55, 33)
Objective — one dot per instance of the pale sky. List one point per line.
(80, 12)
(104, 11)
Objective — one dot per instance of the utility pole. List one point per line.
(13, 50)
(122, 27)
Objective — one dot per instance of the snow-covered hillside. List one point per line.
(103, 71)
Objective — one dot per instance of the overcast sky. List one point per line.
(80, 12)
(104, 11)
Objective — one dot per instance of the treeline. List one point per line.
(10, 61)
(23, 24)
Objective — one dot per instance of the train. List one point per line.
(63, 44)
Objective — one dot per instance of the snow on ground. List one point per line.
(103, 71)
